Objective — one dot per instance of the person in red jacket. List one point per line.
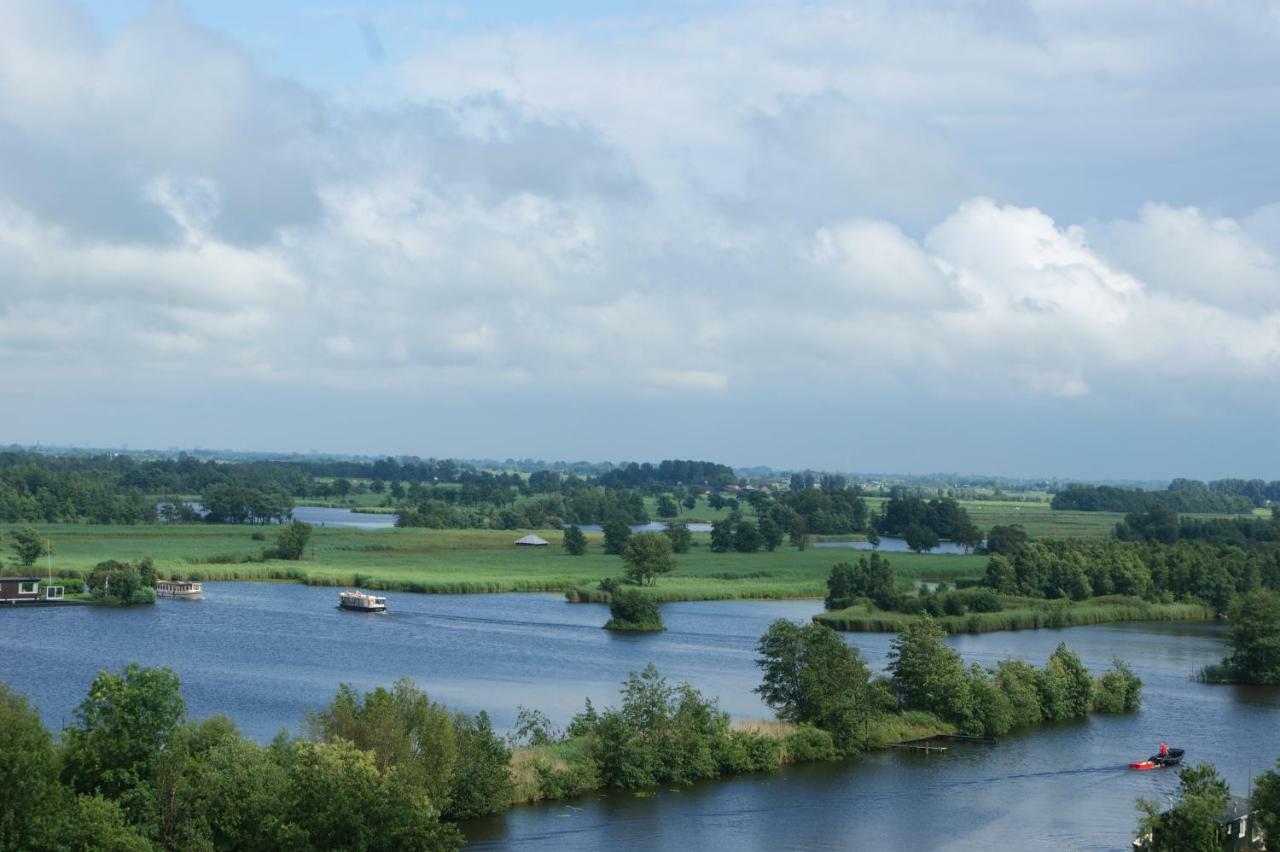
(1164, 750)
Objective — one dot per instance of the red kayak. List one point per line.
(1144, 764)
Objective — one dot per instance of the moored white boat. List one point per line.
(362, 602)
(187, 590)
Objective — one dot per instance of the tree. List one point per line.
(1255, 638)
(28, 545)
(843, 587)
(338, 799)
(342, 486)
(691, 501)
(616, 534)
(920, 538)
(812, 676)
(403, 729)
(1006, 538)
(292, 540)
(681, 538)
(968, 535)
(648, 555)
(575, 541)
(1266, 798)
(632, 610)
(1192, 823)
(1066, 688)
(926, 674)
(722, 535)
(770, 533)
(797, 533)
(667, 507)
(123, 730)
(482, 774)
(746, 537)
(28, 773)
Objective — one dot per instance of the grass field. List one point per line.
(464, 561)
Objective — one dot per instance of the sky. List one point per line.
(1015, 237)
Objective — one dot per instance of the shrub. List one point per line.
(808, 743)
(633, 610)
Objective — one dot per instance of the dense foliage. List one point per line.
(1266, 798)
(632, 610)
(923, 522)
(1108, 498)
(123, 583)
(1186, 571)
(1255, 641)
(648, 556)
(667, 474)
(927, 674)
(668, 734)
(379, 772)
(812, 677)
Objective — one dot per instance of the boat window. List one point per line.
(27, 588)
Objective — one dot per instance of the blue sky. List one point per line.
(1022, 237)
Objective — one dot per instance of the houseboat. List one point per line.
(26, 590)
(16, 590)
(362, 602)
(184, 590)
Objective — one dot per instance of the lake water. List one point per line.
(890, 544)
(267, 653)
(652, 526)
(326, 516)
(330, 516)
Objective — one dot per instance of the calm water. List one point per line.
(267, 653)
(652, 526)
(325, 516)
(890, 544)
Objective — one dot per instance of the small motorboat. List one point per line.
(362, 602)
(1165, 757)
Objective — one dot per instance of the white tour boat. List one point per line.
(186, 590)
(362, 602)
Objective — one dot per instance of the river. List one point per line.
(266, 653)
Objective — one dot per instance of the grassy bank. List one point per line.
(1020, 614)
(462, 561)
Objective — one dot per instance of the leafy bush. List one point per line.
(634, 611)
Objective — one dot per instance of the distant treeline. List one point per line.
(587, 504)
(1108, 498)
(667, 474)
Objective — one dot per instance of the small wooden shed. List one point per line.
(531, 540)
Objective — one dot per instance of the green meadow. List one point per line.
(464, 561)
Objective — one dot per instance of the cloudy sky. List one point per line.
(1022, 237)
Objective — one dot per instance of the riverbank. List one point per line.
(563, 770)
(1020, 614)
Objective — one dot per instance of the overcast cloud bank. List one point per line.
(1002, 205)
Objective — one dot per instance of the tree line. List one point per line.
(1108, 498)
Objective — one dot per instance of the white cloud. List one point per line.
(720, 205)
(1212, 259)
